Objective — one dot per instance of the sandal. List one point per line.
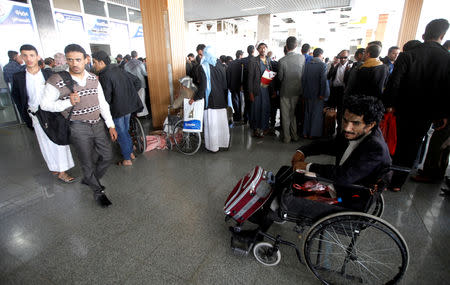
(120, 163)
(64, 177)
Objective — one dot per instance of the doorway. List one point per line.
(99, 47)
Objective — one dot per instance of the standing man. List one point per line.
(351, 78)
(234, 82)
(28, 89)
(121, 95)
(290, 71)
(137, 68)
(391, 57)
(245, 62)
(305, 51)
(418, 90)
(315, 92)
(87, 129)
(14, 65)
(337, 85)
(371, 76)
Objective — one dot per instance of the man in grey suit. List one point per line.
(290, 70)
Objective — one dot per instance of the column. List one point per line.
(410, 21)
(164, 29)
(264, 28)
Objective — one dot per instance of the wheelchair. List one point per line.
(347, 243)
(137, 134)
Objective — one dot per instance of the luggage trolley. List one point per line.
(341, 244)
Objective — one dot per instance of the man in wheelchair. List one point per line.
(362, 158)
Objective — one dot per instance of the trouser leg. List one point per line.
(236, 97)
(293, 120)
(286, 118)
(123, 136)
(103, 147)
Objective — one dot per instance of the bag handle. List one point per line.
(69, 82)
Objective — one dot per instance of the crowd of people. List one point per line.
(413, 84)
(310, 93)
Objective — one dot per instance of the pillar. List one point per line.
(164, 29)
(410, 21)
(264, 28)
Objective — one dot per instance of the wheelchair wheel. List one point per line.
(377, 207)
(137, 135)
(355, 248)
(186, 142)
(265, 254)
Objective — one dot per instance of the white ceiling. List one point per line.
(200, 10)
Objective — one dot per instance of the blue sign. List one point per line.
(139, 33)
(17, 15)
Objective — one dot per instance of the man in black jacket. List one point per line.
(418, 90)
(245, 62)
(234, 82)
(120, 89)
(27, 92)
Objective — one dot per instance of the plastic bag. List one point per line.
(193, 116)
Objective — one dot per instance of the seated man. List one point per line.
(362, 157)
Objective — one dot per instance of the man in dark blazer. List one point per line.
(20, 95)
(362, 155)
(234, 82)
(418, 90)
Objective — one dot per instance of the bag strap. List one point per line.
(69, 82)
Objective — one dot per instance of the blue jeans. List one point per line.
(123, 136)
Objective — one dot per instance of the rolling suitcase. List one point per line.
(249, 194)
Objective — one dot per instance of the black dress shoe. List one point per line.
(101, 198)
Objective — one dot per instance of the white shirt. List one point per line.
(339, 80)
(51, 102)
(352, 145)
(35, 88)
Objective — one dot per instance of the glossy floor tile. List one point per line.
(166, 224)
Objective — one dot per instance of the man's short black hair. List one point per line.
(317, 52)
(48, 60)
(229, 58)
(101, 56)
(435, 29)
(12, 54)
(250, 49)
(119, 56)
(378, 43)
(75, 48)
(133, 54)
(392, 48)
(191, 55)
(291, 43)
(223, 58)
(360, 51)
(305, 48)
(260, 44)
(200, 47)
(369, 107)
(412, 44)
(28, 47)
(127, 57)
(374, 51)
(239, 53)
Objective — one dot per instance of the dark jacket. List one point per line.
(314, 80)
(420, 83)
(333, 72)
(366, 164)
(11, 68)
(217, 99)
(370, 81)
(245, 62)
(20, 95)
(120, 88)
(255, 74)
(234, 75)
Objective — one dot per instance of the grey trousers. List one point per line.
(93, 146)
(288, 119)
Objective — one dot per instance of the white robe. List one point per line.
(57, 157)
(216, 131)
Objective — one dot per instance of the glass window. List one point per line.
(135, 16)
(67, 5)
(94, 7)
(117, 12)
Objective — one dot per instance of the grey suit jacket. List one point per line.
(290, 71)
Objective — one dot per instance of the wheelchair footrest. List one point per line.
(241, 247)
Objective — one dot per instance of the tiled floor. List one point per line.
(166, 224)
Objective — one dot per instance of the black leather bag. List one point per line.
(55, 126)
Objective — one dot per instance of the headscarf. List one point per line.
(209, 57)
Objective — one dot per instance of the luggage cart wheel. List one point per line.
(266, 254)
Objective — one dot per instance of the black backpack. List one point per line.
(55, 126)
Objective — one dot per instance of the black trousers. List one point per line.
(247, 106)
(237, 105)
(336, 100)
(94, 148)
(410, 131)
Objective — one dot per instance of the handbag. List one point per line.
(55, 126)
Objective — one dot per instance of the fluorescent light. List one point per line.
(254, 8)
